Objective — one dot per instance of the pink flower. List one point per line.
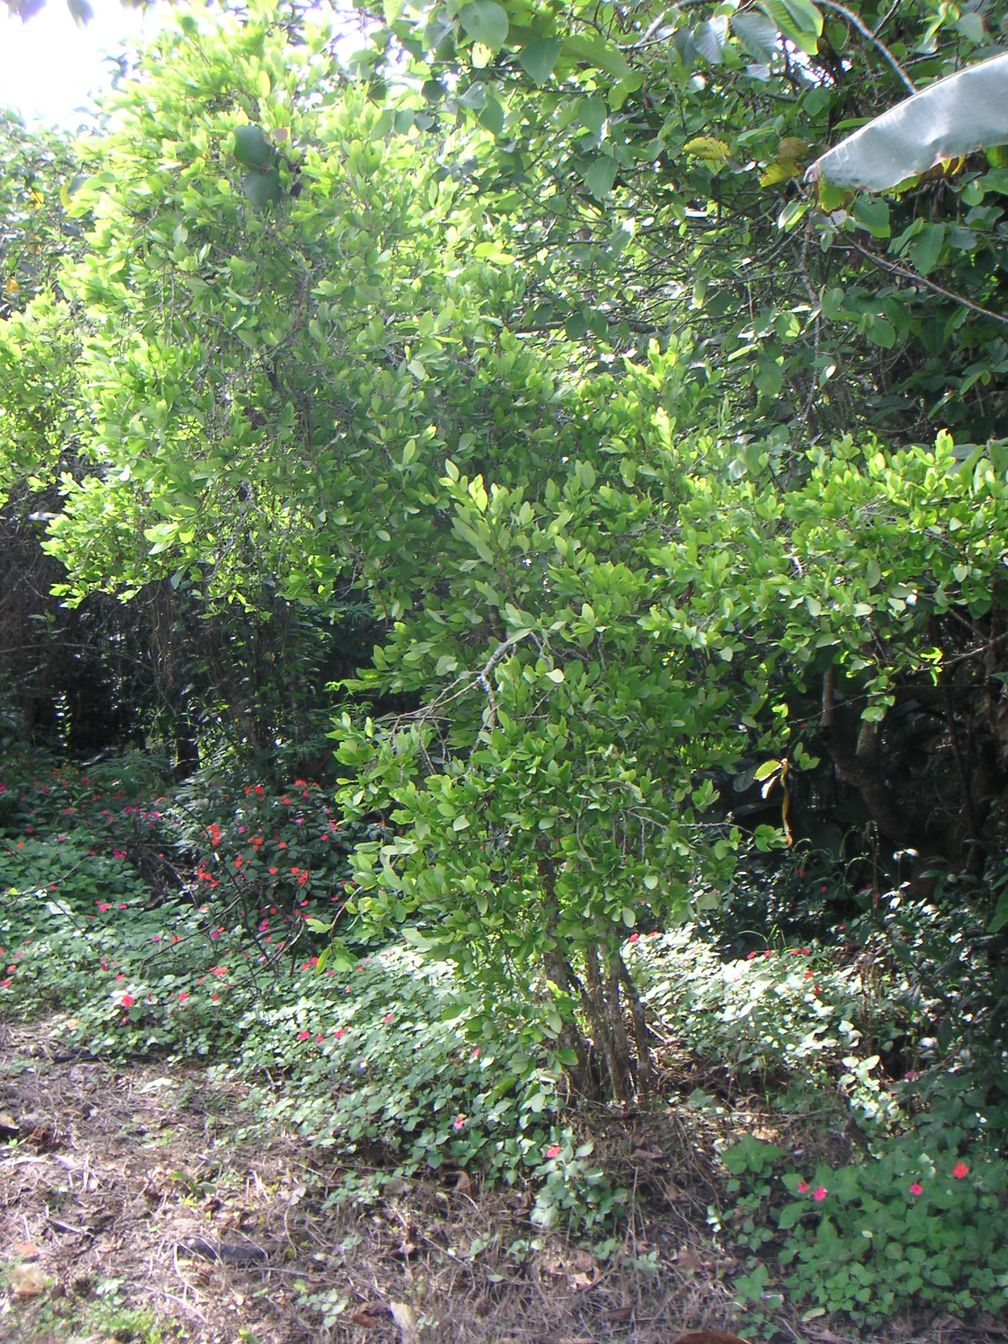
(459, 1122)
(339, 1033)
(218, 970)
(802, 1187)
(634, 937)
(183, 995)
(388, 1018)
(127, 1000)
(916, 1188)
(553, 1150)
(960, 1170)
(819, 1194)
(304, 1035)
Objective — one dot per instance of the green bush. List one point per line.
(906, 1224)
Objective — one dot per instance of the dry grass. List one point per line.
(113, 1172)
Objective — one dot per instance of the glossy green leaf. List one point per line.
(251, 147)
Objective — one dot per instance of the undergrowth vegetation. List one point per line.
(152, 921)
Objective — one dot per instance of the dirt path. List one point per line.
(118, 1185)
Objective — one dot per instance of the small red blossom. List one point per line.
(634, 938)
(916, 1188)
(819, 1194)
(553, 1150)
(339, 1033)
(127, 1000)
(960, 1170)
(387, 1017)
(218, 970)
(802, 1187)
(183, 995)
(304, 1035)
(459, 1122)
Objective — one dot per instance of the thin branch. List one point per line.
(871, 37)
(895, 269)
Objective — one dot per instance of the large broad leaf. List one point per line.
(485, 21)
(952, 117)
(251, 147)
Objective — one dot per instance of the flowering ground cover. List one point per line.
(814, 1161)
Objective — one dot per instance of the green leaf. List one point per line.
(251, 147)
(492, 116)
(485, 21)
(873, 214)
(599, 176)
(709, 40)
(262, 189)
(926, 249)
(806, 16)
(598, 52)
(797, 19)
(757, 34)
(881, 332)
(592, 113)
(539, 57)
(790, 1215)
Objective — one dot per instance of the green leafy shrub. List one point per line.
(783, 1010)
(255, 846)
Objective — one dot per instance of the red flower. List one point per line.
(960, 1170)
(339, 1033)
(459, 1122)
(387, 1017)
(916, 1188)
(802, 1187)
(819, 1194)
(634, 937)
(553, 1150)
(218, 970)
(304, 1035)
(183, 995)
(127, 1000)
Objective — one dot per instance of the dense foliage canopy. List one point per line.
(510, 338)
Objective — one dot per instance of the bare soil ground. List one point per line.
(143, 1205)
